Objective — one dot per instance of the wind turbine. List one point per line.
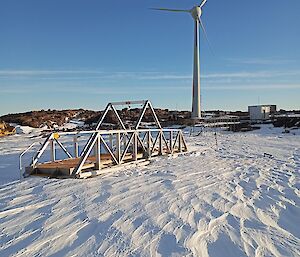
(196, 13)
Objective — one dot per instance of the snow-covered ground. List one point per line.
(230, 201)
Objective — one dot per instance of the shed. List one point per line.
(261, 112)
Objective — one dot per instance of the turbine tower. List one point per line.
(196, 13)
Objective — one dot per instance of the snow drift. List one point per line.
(230, 201)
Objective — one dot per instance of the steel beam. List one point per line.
(109, 150)
(63, 148)
(171, 141)
(127, 147)
(166, 142)
(135, 147)
(87, 150)
(155, 141)
(52, 151)
(129, 102)
(118, 147)
(41, 150)
(154, 115)
(98, 153)
(149, 144)
(142, 113)
(118, 117)
(139, 140)
(103, 117)
(75, 147)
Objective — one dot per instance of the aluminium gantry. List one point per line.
(104, 150)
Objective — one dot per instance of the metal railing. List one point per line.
(21, 156)
(121, 146)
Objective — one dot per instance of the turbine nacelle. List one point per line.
(196, 12)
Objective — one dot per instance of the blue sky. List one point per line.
(63, 54)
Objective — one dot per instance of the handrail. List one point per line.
(119, 145)
(22, 154)
(98, 138)
(101, 132)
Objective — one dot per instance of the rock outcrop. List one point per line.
(53, 118)
(6, 129)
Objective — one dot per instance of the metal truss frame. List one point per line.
(122, 146)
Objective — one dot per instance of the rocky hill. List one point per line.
(53, 118)
(49, 118)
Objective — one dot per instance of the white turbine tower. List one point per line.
(196, 13)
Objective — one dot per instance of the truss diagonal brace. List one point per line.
(63, 148)
(147, 103)
(108, 149)
(41, 151)
(127, 147)
(86, 153)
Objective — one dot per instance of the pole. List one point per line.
(98, 153)
(196, 111)
(52, 152)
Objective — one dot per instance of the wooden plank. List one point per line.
(66, 167)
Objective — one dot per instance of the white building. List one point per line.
(261, 112)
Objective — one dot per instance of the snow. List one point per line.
(218, 200)
(70, 125)
(25, 129)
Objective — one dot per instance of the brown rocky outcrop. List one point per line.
(6, 129)
(54, 118)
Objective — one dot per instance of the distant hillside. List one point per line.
(52, 118)
(49, 118)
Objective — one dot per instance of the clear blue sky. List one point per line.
(63, 54)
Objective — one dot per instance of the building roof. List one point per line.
(262, 105)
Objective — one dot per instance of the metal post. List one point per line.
(52, 145)
(135, 148)
(111, 141)
(95, 150)
(160, 151)
(124, 141)
(149, 144)
(118, 147)
(180, 141)
(75, 147)
(171, 141)
(98, 154)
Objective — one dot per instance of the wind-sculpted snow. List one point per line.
(230, 202)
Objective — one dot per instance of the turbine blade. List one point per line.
(203, 3)
(205, 35)
(169, 10)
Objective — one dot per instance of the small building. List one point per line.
(261, 112)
